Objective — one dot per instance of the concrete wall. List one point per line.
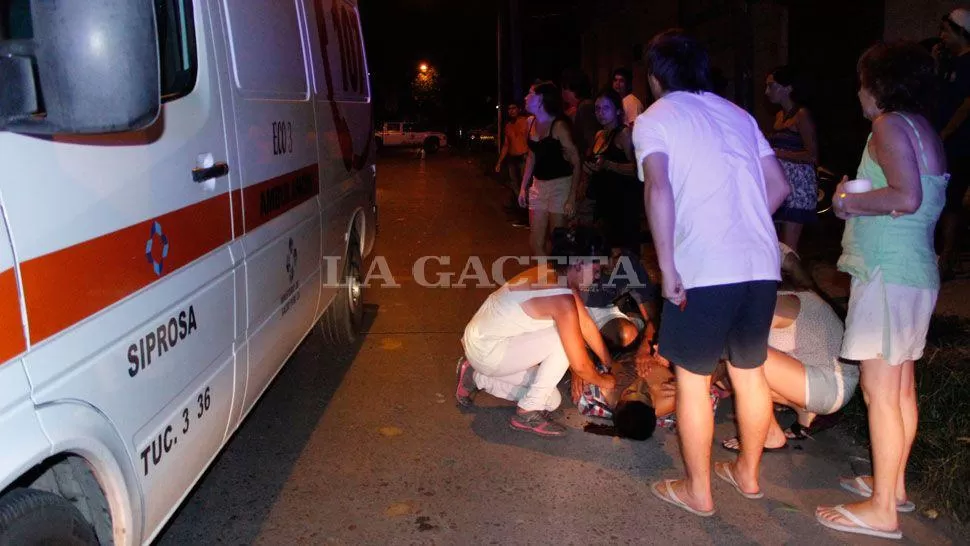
(917, 19)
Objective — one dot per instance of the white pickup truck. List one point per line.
(399, 133)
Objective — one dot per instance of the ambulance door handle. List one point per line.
(200, 174)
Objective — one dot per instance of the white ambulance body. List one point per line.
(187, 188)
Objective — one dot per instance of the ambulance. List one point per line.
(187, 189)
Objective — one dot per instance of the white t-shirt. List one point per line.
(723, 233)
(632, 107)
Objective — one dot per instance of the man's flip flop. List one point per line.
(858, 526)
(670, 497)
(723, 471)
(734, 444)
(859, 486)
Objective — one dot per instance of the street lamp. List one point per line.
(423, 67)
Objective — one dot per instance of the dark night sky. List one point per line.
(458, 38)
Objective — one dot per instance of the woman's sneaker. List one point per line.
(466, 388)
(538, 423)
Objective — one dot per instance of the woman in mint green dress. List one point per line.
(887, 248)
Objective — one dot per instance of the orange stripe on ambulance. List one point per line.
(164, 248)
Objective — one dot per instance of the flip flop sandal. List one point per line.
(858, 526)
(859, 486)
(734, 445)
(671, 498)
(723, 471)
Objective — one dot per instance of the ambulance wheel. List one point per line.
(432, 144)
(31, 517)
(341, 321)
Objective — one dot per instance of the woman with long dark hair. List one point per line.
(554, 164)
(613, 176)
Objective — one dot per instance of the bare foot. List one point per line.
(747, 481)
(863, 510)
(680, 489)
(900, 498)
(776, 438)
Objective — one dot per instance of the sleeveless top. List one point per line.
(814, 337)
(550, 160)
(501, 318)
(902, 247)
(787, 138)
(606, 180)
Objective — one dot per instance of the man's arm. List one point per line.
(776, 185)
(504, 151)
(658, 199)
(958, 119)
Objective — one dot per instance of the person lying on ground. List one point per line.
(531, 330)
(802, 368)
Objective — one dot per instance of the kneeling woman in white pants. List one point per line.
(530, 331)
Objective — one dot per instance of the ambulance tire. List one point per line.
(32, 517)
(341, 322)
(432, 144)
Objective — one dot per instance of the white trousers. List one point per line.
(528, 373)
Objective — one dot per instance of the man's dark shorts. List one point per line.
(730, 318)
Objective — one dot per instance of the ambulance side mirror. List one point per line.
(90, 66)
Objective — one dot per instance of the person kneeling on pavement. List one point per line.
(803, 367)
(525, 336)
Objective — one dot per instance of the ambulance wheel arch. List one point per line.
(89, 467)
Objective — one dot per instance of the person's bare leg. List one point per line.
(910, 414)
(786, 380)
(539, 224)
(791, 232)
(881, 385)
(776, 436)
(555, 221)
(752, 406)
(695, 423)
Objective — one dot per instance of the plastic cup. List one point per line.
(860, 185)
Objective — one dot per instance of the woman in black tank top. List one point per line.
(553, 161)
(613, 182)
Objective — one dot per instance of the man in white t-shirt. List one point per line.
(711, 186)
(623, 84)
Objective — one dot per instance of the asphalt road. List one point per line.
(366, 446)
